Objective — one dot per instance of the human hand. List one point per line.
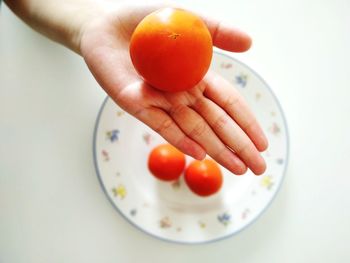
(211, 118)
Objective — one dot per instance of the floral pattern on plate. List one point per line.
(170, 211)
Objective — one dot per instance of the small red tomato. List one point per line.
(171, 49)
(166, 162)
(204, 178)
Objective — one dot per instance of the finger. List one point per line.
(196, 128)
(227, 37)
(228, 98)
(133, 13)
(224, 36)
(231, 134)
(160, 122)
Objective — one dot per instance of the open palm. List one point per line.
(211, 118)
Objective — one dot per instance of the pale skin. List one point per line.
(209, 119)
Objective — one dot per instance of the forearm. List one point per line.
(61, 20)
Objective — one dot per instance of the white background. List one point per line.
(52, 208)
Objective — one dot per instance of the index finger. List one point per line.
(227, 37)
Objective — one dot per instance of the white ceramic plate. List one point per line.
(170, 211)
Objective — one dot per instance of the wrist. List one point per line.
(62, 21)
(81, 17)
(71, 18)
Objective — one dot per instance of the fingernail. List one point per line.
(196, 151)
(264, 142)
(241, 170)
(262, 167)
(199, 155)
(238, 166)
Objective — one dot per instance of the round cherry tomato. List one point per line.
(166, 162)
(204, 178)
(171, 49)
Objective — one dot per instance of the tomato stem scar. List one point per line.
(174, 35)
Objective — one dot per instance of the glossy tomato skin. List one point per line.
(171, 49)
(166, 162)
(204, 178)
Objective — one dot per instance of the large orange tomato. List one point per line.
(166, 162)
(204, 178)
(171, 49)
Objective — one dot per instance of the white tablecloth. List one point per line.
(52, 208)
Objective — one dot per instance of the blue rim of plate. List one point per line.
(267, 205)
